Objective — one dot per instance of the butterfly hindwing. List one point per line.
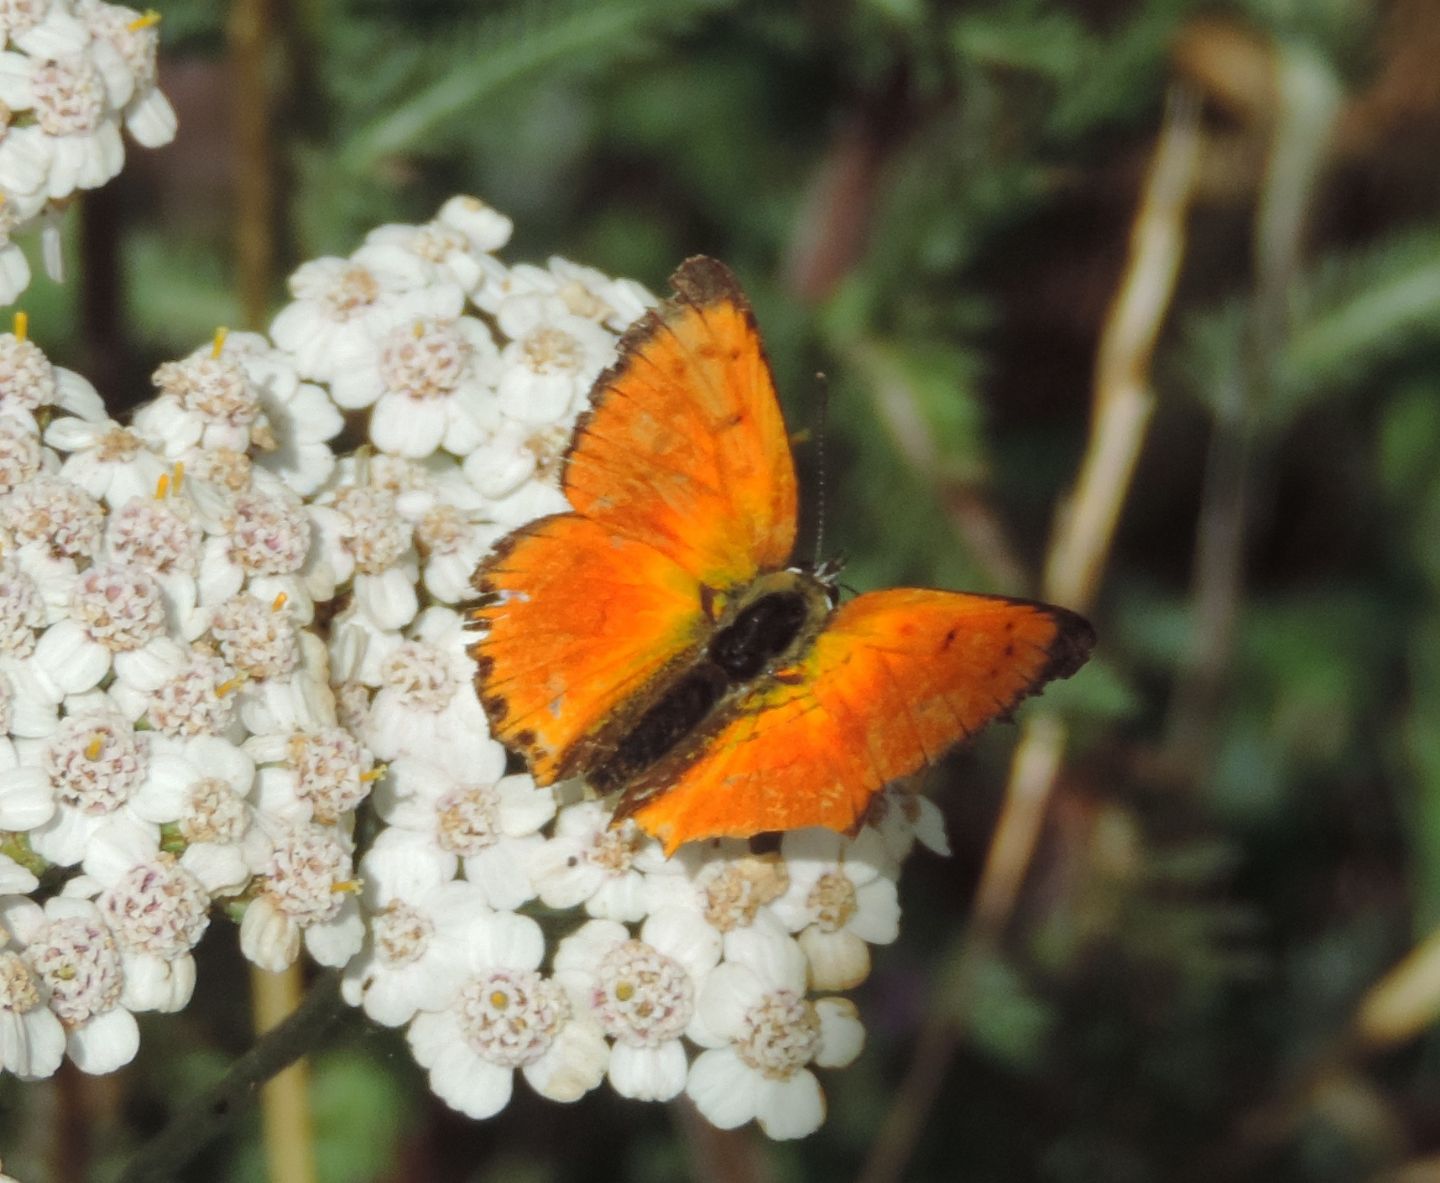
(892, 681)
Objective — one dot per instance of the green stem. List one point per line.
(198, 1123)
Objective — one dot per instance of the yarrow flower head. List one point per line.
(235, 681)
(71, 75)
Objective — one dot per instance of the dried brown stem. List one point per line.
(1123, 402)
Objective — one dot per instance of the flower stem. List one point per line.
(201, 1121)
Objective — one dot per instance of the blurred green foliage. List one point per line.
(931, 201)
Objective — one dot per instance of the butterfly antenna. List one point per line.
(820, 433)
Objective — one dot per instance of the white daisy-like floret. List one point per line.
(615, 303)
(362, 539)
(453, 242)
(451, 532)
(81, 970)
(725, 885)
(32, 1039)
(117, 615)
(52, 516)
(342, 306)
(642, 992)
(552, 359)
(206, 400)
(588, 862)
(75, 100)
(839, 903)
(306, 891)
(148, 115)
(28, 381)
(265, 547)
(110, 462)
(516, 472)
(200, 789)
(762, 1034)
(416, 954)
(298, 418)
(505, 1016)
(468, 816)
(319, 775)
(155, 906)
(436, 377)
(94, 763)
(426, 699)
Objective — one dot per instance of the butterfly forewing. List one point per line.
(684, 448)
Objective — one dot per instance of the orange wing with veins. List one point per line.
(683, 489)
(894, 680)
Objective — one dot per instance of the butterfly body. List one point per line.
(654, 642)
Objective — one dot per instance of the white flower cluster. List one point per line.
(71, 73)
(217, 637)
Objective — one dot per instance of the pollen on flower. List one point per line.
(614, 850)
(421, 675)
(348, 293)
(19, 992)
(376, 534)
(303, 873)
(735, 890)
(161, 535)
(270, 535)
(213, 813)
(511, 1016)
(550, 350)
(832, 901)
(69, 96)
(121, 607)
(193, 701)
(329, 771)
(402, 933)
(119, 445)
(95, 763)
(51, 512)
(78, 959)
(215, 388)
(157, 907)
(259, 641)
(442, 530)
(643, 997)
(424, 360)
(222, 466)
(780, 1034)
(468, 819)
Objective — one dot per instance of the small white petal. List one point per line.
(105, 1042)
(648, 1073)
(842, 1035)
(724, 1089)
(791, 1108)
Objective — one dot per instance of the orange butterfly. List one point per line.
(654, 641)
